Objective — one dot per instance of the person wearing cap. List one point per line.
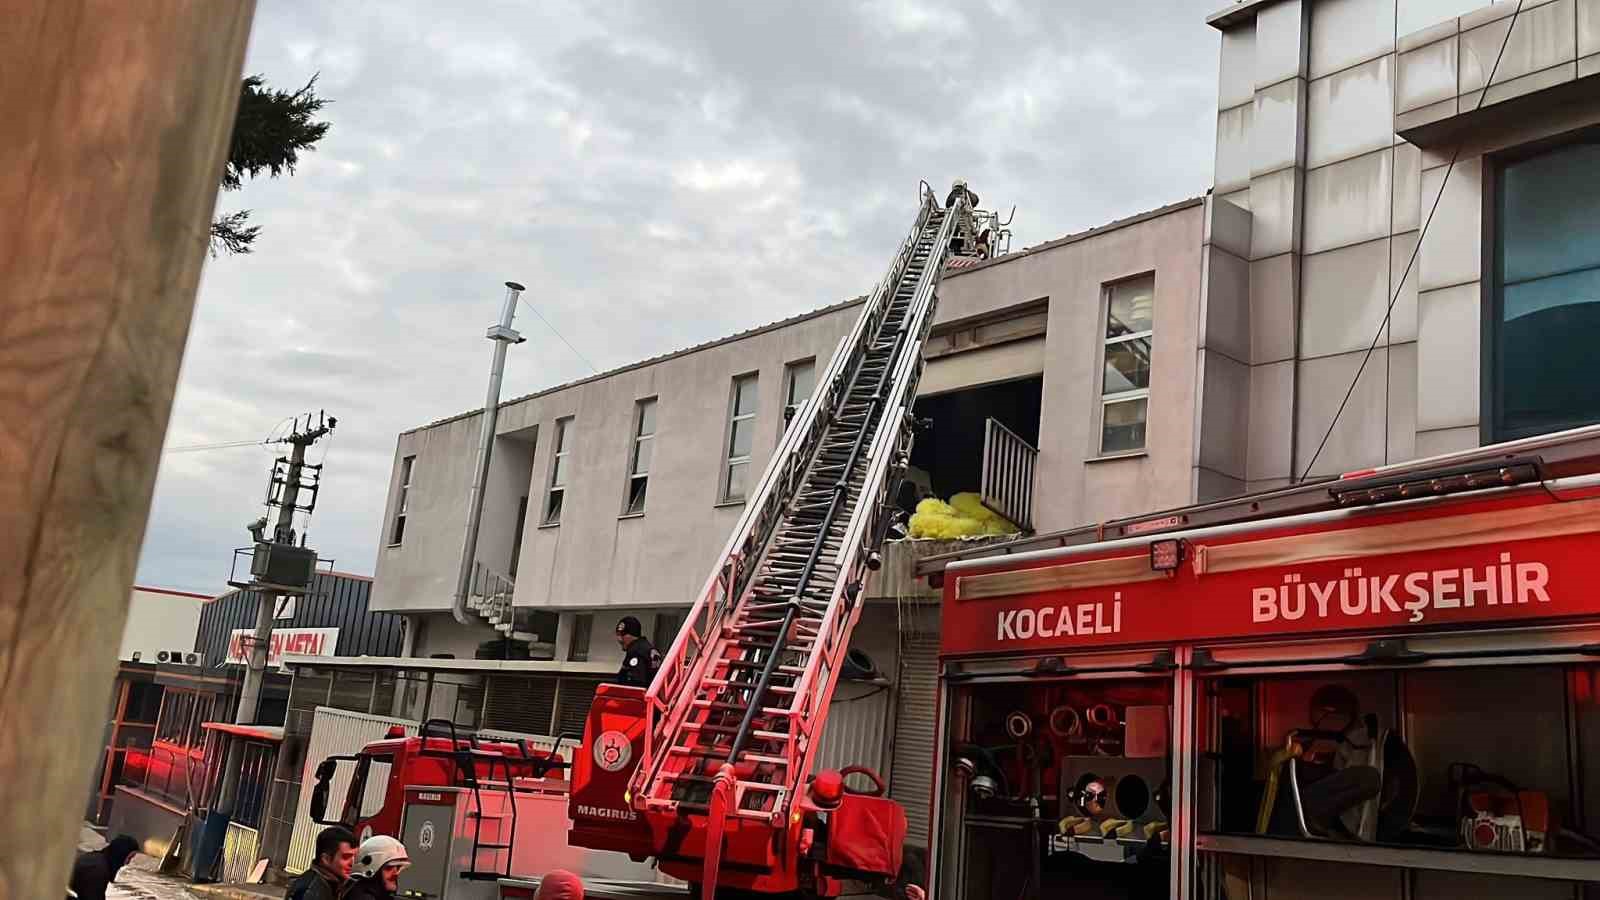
(639, 659)
(379, 862)
(559, 884)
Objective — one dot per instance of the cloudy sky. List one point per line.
(657, 174)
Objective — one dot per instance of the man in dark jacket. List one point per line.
(95, 870)
(336, 853)
(639, 659)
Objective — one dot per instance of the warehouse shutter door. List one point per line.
(572, 709)
(911, 776)
(853, 734)
(522, 704)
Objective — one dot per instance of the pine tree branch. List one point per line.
(271, 130)
(230, 234)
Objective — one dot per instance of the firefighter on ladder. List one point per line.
(965, 242)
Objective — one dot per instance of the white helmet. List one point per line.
(379, 851)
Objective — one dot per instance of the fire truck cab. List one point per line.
(439, 756)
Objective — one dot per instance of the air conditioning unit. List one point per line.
(191, 659)
(163, 656)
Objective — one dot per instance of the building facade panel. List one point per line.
(1365, 207)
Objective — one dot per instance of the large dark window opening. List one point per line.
(1545, 315)
(949, 454)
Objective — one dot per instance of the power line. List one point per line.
(535, 311)
(273, 437)
(1389, 312)
(224, 445)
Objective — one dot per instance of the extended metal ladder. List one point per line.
(735, 714)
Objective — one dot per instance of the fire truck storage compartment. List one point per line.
(1054, 785)
(1447, 767)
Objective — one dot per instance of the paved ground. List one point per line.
(139, 880)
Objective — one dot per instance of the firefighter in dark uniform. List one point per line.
(639, 659)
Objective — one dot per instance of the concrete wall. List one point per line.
(1076, 485)
(159, 619)
(423, 567)
(598, 557)
(1315, 99)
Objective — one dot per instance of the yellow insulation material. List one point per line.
(963, 516)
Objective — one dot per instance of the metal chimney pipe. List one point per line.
(503, 336)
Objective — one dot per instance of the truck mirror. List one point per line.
(319, 793)
(319, 803)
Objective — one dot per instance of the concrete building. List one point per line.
(588, 533)
(1342, 127)
(582, 531)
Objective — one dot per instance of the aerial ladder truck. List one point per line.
(709, 770)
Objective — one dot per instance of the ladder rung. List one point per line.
(739, 685)
(782, 669)
(713, 754)
(730, 729)
(738, 707)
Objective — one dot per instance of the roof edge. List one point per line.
(1237, 14)
(1062, 241)
(664, 357)
(1077, 236)
(172, 593)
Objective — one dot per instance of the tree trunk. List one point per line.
(116, 118)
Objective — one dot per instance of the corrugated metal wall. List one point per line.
(854, 734)
(911, 770)
(334, 732)
(334, 601)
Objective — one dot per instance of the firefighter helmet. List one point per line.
(379, 851)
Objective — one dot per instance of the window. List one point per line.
(644, 435)
(371, 783)
(578, 648)
(1125, 388)
(516, 535)
(559, 463)
(1545, 317)
(741, 427)
(667, 627)
(398, 532)
(799, 381)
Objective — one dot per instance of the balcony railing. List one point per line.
(1008, 464)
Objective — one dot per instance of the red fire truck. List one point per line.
(439, 756)
(1384, 686)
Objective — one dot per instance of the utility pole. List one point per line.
(503, 336)
(289, 476)
(278, 567)
(124, 112)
